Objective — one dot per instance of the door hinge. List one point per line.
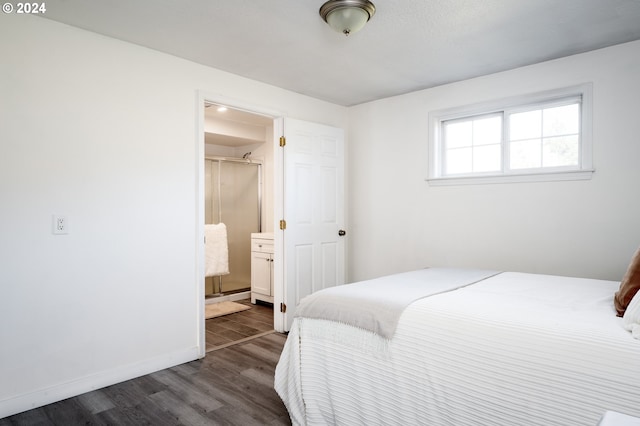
(283, 224)
(283, 141)
(283, 308)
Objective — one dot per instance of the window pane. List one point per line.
(525, 125)
(458, 161)
(564, 120)
(486, 158)
(473, 145)
(487, 131)
(561, 151)
(525, 154)
(458, 134)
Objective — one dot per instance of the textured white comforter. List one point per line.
(376, 305)
(515, 349)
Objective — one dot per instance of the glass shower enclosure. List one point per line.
(233, 196)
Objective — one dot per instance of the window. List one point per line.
(537, 137)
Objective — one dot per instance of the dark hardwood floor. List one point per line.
(231, 385)
(228, 329)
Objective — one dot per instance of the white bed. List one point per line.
(511, 349)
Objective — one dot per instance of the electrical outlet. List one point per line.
(60, 225)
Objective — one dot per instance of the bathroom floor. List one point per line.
(229, 329)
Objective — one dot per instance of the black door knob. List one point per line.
(342, 232)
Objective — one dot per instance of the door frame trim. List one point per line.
(203, 96)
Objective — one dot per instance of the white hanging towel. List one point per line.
(216, 250)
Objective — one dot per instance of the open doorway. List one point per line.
(238, 193)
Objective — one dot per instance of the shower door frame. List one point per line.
(258, 163)
(260, 179)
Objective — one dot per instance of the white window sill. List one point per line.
(512, 178)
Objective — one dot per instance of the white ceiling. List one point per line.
(408, 45)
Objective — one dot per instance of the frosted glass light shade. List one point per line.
(347, 16)
(347, 20)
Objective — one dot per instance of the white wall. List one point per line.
(581, 228)
(105, 133)
(265, 153)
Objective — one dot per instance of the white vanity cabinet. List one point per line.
(262, 267)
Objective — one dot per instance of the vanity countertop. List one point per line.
(264, 235)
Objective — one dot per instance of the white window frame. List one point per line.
(583, 171)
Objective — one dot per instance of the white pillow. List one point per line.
(631, 317)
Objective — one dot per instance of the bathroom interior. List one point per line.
(238, 174)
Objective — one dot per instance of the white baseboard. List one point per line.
(48, 395)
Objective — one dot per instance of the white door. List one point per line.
(313, 245)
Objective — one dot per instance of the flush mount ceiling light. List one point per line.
(347, 16)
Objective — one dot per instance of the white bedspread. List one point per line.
(515, 349)
(376, 305)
